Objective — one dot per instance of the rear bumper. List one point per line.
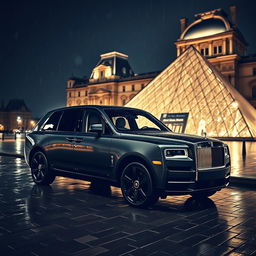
(189, 182)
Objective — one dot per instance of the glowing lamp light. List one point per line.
(19, 120)
(234, 104)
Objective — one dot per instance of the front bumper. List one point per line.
(193, 181)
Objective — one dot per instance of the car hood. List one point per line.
(165, 137)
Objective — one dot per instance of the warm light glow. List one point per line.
(19, 120)
(157, 162)
(203, 33)
(113, 54)
(205, 27)
(32, 123)
(188, 86)
(234, 104)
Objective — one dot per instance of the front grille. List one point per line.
(209, 155)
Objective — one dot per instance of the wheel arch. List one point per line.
(33, 150)
(133, 157)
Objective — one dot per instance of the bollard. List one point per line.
(244, 149)
(3, 136)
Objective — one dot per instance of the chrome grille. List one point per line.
(209, 155)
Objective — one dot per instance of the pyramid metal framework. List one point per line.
(191, 84)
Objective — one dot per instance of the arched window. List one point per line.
(254, 92)
(123, 99)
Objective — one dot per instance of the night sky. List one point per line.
(43, 43)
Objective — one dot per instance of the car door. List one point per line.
(93, 149)
(60, 147)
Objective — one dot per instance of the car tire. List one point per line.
(137, 185)
(40, 171)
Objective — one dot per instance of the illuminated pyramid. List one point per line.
(192, 85)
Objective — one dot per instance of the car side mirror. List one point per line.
(97, 128)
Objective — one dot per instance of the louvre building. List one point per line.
(192, 85)
(209, 89)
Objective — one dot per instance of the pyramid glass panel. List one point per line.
(191, 84)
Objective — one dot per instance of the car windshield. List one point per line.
(132, 120)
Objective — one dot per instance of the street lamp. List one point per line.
(32, 123)
(19, 121)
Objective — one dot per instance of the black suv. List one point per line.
(125, 147)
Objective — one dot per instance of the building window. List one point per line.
(86, 93)
(254, 92)
(123, 102)
(69, 94)
(142, 86)
(101, 74)
(205, 51)
(217, 49)
(133, 87)
(78, 94)
(254, 71)
(123, 88)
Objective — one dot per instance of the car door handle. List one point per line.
(78, 140)
(71, 139)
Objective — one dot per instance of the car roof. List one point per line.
(100, 107)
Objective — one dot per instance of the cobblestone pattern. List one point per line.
(74, 217)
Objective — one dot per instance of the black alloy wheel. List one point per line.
(40, 171)
(137, 186)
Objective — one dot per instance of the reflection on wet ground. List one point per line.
(240, 166)
(243, 166)
(12, 146)
(73, 217)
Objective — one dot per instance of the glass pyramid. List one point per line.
(191, 85)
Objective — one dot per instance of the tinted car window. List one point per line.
(52, 122)
(131, 120)
(94, 117)
(71, 120)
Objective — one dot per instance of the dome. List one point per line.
(204, 28)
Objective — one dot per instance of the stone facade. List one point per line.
(112, 82)
(217, 37)
(15, 116)
(213, 33)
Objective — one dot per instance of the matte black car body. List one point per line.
(101, 155)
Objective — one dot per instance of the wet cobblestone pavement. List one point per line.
(73, 217)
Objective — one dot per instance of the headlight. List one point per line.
(176, 153)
